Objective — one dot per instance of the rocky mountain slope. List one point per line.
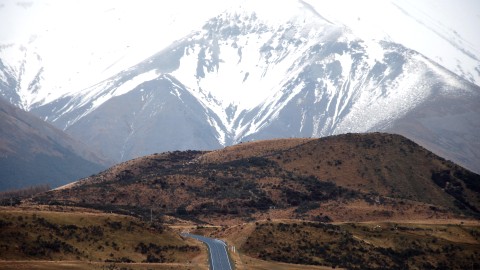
(34, 152)
(344, 177)
(247, 75)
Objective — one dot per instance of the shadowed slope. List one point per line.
(33, 152)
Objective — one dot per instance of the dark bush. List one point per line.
(115, 225)
(441, 178)
(305, 207)
(471, 180)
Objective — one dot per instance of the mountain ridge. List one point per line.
(34, 152)
(334, 83)
(248, 76)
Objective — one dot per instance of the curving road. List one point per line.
(218, 252)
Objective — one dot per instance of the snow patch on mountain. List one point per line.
(439, 29)
(237, 60)
(21, 81)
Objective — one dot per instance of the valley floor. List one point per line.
(73, 238)
(78, 265)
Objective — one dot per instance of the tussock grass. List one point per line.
(366, 245)
(93, 237)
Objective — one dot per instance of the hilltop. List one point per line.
(352, 177)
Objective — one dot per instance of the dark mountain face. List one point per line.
(345, 176)
(446, 125)
(34, 152)
(157, 112)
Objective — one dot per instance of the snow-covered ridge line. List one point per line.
(439, 29)
(250, 75)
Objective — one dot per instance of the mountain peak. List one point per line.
(284, 11)
(239, 55)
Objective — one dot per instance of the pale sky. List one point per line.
(98, 17)
(127, 20)
(82, 42)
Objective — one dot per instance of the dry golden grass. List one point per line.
(417, 244)
(389, 165)
(83, 236)
(380, 233)
(378, 188)
(244, 262)
(76, 265)
(251, 149)
(352, 177)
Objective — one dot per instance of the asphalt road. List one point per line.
(218, 252)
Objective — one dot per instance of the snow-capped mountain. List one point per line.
(439, 29)
(246, 75)
(76, 44)
(74, 53)
(20, 82)
(304, 70)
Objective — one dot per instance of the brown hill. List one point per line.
(344, 177)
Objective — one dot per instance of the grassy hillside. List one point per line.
(32, 235)
(389, 165)
(372, 245)
(348, 201)
(347, 177)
